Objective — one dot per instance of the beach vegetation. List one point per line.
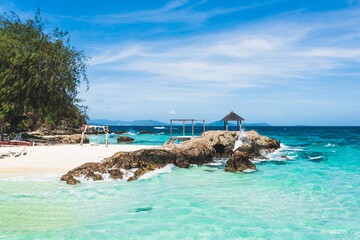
(40, 73)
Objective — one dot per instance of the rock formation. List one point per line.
(120, 132)
(146, 132)
(195, 151)
(66, 139)
(222, 141)
(125, 139)
(239, 161)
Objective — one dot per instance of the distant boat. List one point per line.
(159, 127)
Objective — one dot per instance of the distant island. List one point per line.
(159, 123)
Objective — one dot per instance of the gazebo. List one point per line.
(232, 117)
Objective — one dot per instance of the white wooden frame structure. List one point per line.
(105, 128)
(172, 139)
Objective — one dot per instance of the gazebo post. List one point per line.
(183, 128)
(192, 127)
(237, 125)
(170, 128)
(203, 125)
(240, 125)
(227, 126)
(224, 125)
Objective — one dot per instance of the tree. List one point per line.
(40, 72)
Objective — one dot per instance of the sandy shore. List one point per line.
(57, 159)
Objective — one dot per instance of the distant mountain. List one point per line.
(127, 123)
(221, 123)
(257, 125)
(158, 123)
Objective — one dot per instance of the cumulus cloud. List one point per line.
(172, 112)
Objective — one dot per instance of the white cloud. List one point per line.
(173, 11)
(172, 112)
(274, 52)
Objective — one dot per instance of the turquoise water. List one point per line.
(314, 195)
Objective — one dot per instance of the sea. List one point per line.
(315, 194)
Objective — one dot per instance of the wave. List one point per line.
(318, 157)
(167, 169)
(330, 145)
(159, 127)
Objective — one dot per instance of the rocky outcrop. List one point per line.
(222, 141)
(120, 132)
(125, 139)
(195, 151)
(239, 161)
(262, 144)
(146, 132)
(66, 139)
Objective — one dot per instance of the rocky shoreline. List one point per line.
(199, 151)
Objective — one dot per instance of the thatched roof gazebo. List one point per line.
(232, 117)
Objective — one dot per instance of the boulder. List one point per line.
(239, 162)
(143, 159)
(195, 151)
(222, 141)
(97, 177)
(69, 179)
(284, 156)
(262, 144)
(125, 139)
(120, 132)
(146, 132)
(88, 169)
(67, 139)
(115, 173)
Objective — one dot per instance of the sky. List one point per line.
(283, 62)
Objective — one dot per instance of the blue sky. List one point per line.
(282, 62)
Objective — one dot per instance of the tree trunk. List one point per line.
(2, 131)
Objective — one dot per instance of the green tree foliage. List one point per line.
(40, 73)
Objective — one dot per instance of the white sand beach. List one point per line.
(57, 158)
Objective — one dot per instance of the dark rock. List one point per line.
(125, 139)
(120, 132)
(262, 144)
(88, 169)
(146, 132)
(284, 156)
(97, 177)
(239, 162)
(138, 173)
(222, 141)
(69, 179)
(115, 173)
(67, 139)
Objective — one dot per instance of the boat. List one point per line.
(17, 143)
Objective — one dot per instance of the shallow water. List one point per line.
(314, 195)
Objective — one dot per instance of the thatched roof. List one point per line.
(232, 117)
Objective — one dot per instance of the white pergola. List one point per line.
(105, 128)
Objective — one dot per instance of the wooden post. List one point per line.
(183, 128)
(203, 125)
(237, 125)
(224, 125)
(192, 127)
(170, 128)
(240, 125)
(227, 127)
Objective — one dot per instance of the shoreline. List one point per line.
(57, 158)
